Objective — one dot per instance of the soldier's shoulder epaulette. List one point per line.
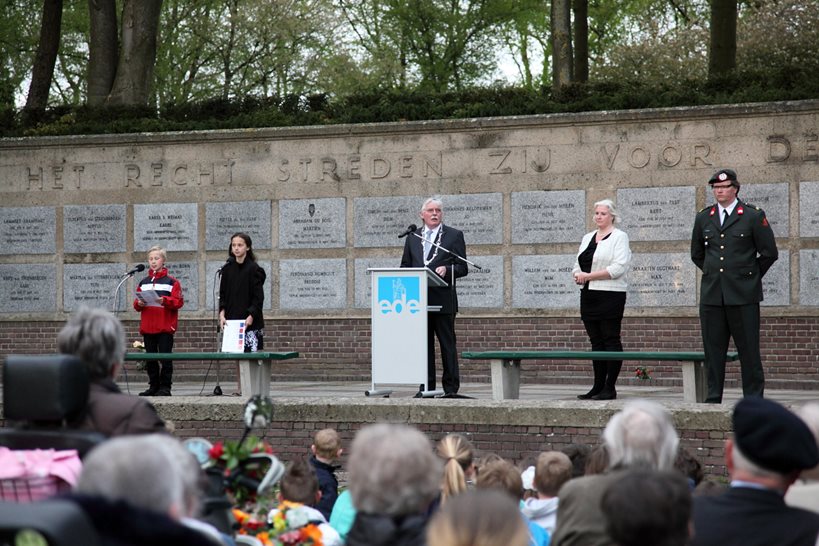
(754, 207)
(704, 209)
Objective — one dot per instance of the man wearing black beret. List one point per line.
(770, 448)
(734, 246)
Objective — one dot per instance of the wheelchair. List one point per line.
(42, 396)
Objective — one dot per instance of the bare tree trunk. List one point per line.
(722, 54)
(581, 40)
(43, 70)
(135, 69)
(561, 43)
(103, 49)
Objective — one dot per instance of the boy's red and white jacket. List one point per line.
(159, 320)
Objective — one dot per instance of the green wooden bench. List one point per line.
(254, 368)
(505, 367)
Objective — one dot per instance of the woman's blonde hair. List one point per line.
(457, 453)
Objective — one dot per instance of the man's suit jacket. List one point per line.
(451, 239)
(752, 517)
(734, 256)
(580, 518)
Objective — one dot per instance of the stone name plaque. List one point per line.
(174, 226)
(479, 216)
(313, 223)
(211, 277)
(224, 219)
(28, 288)
(809, 277)
(313, 284)
(809, 209)
(662, 280)
(93, 229)
(482, 287)
(657, 214)
(380, 220)
(776, 284)
(544, 282)
(548, 216)
(363, 278)
(187, 273)
(93, 285)
(773, 199)
(28, 230)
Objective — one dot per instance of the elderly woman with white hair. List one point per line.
(394, 476)
(144, 489)
(600, 270)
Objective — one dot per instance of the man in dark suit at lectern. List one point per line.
(419, 252)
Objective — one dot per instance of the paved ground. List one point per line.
(481, 391)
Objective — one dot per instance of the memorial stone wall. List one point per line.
(324, 204)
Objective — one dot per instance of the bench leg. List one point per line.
(695, 383)
(254, 377)
(505, 379)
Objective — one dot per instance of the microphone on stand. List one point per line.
(410, 229)
(217, 390)
(228, 261)
(137, 269)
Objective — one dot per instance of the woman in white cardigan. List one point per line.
(600, 270)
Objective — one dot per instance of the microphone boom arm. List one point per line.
(454, 255)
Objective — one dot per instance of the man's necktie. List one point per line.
(427, 244)
(724, 216)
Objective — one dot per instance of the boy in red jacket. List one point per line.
(158, 298)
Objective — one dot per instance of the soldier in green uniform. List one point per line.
(734, 246)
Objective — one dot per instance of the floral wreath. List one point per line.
(289, 525)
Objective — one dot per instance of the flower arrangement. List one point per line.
(287, 525)
(643, 373)
(232, 455)
(139, 347)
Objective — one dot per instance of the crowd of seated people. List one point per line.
(639, 486)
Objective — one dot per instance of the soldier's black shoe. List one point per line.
(163, 391)
(152, 391)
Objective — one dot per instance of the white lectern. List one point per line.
(399, 326)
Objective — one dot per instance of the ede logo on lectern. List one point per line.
(399, 294)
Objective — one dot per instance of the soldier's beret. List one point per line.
(773, 437)
(724, 175)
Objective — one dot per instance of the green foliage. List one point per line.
(759, 84)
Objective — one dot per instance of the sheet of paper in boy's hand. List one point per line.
(150, 297)
(233, 336)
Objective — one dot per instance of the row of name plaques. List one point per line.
(537, 282)
(536, 217)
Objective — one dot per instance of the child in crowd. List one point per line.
(158, 299)
(298, 497)
(458, 454)
(488, 518)
(502, 475)
(552, 470)
(326, 450)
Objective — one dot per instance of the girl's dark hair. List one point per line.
(248, 242)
